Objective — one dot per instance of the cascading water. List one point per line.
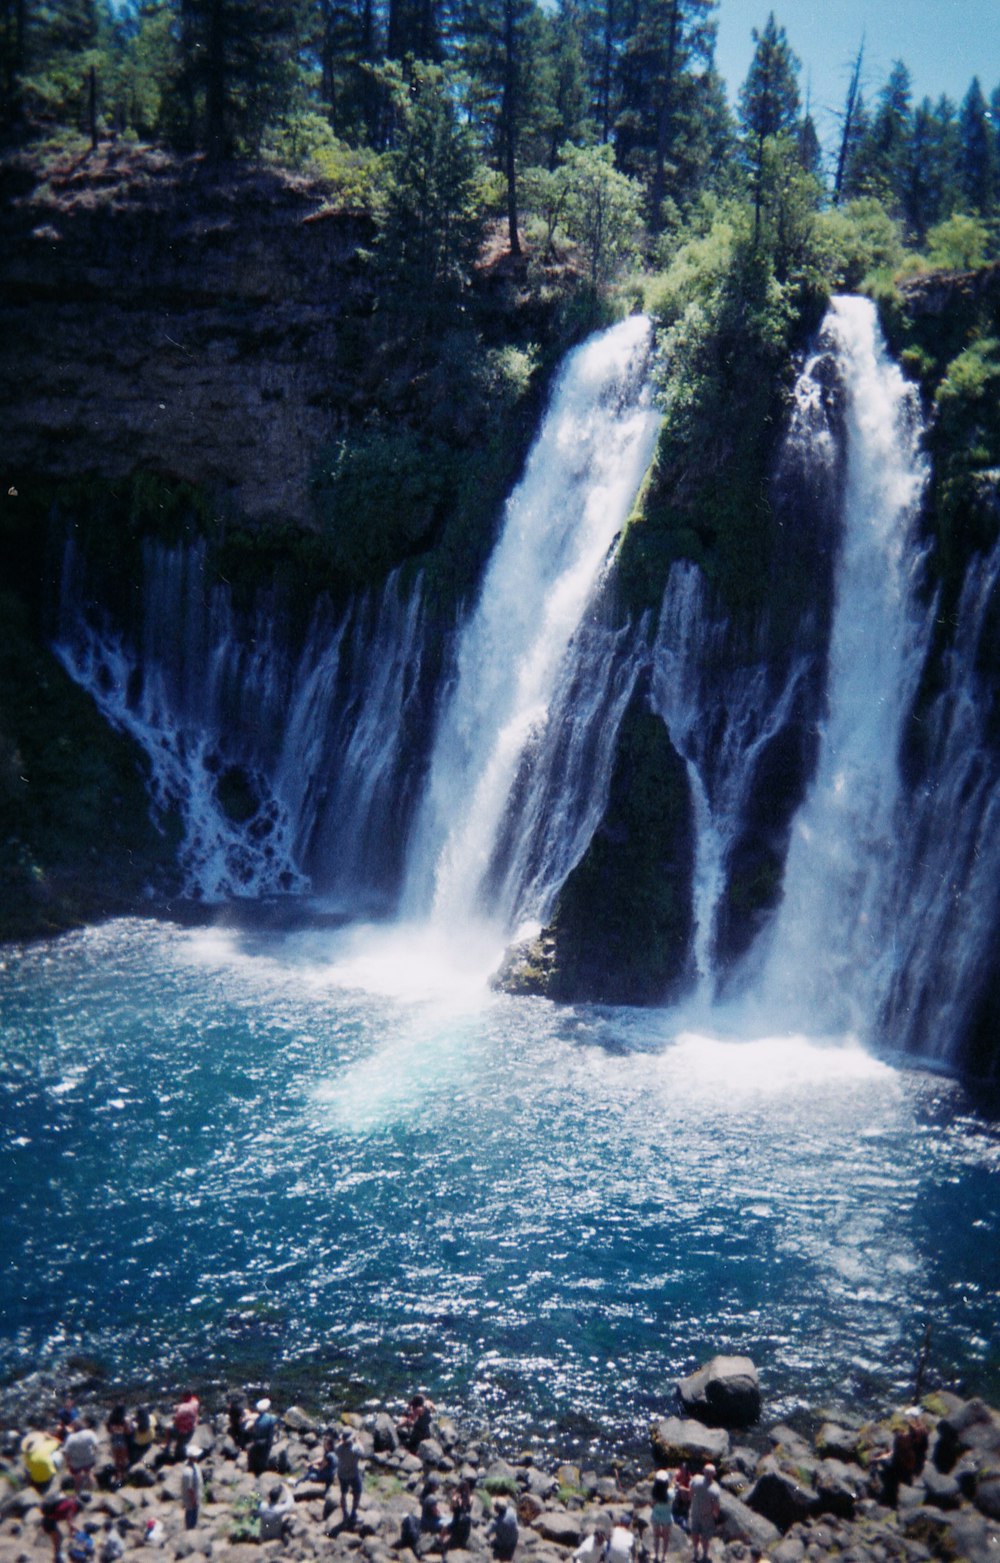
(581, 477)
(285, 768)
(834, 933)
(580, 480)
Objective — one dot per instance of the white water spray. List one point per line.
(581, 478)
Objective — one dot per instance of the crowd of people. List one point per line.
(62, 1462)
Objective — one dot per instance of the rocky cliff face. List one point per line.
(155, 318)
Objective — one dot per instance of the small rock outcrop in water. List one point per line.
(797, 1501)
(622, 928)
(724, 1392)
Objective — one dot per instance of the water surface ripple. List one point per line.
(223, 1154)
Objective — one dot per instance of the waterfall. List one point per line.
(835, 929)
(282, 770)
(499, 719)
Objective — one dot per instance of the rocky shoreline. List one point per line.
(782, 1495)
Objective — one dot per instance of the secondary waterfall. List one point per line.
(581, 478)
(833, 939)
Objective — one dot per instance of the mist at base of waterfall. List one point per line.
(241, 1154)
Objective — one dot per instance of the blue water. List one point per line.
(304, 1156)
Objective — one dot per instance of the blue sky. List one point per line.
(944, 43)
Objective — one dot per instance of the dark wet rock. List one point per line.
(738, 1522)
(987, 1491)
(838, 1487)
(780, 1496)
(834, 1442)
(941, 1489)
(973, 1426)
(384, 1434)
(724, 1392)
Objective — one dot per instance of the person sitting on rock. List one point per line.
(662, 1517)
(502, 1530)
(704, 1512)
(621, 1545)
(416, 1422)
(325, 1469)
(276, 1514)
(191, 1490)
(459, 1530)
(67, 1419)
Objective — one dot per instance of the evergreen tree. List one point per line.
(667, 42)
(569, 119)
(431, 225)
(503, 47)
(977, 153)
(240, 63)
(882, 157)
(769, 101)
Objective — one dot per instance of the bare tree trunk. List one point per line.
(845, 134)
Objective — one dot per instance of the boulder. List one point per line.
(972, 1427)
(540, 1483)
(559, 1526)
(430, 1453)
(987, 1494)
(676, 1439)
(724, 1392)
(738, 1522)
(781, 1497)
(838, 1487)
(295, 1419)
(384, 1435)
(941, 1489)
(834, 1442)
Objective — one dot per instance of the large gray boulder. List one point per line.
(676, 1439)
(738, 1522)
(724, 1392)
(780, 1497)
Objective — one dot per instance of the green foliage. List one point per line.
(245, 1525)
(306, 140)
(960, 243)
(855, 240)
(379, 495)
(729, 321)
(600, 208)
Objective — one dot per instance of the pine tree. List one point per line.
(978, 153)
(769, 100)
(502, 48)
(882, 157)
(240, 61)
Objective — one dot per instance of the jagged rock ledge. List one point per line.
(790, 1497)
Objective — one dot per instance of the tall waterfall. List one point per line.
(832, 947)
(515, 653)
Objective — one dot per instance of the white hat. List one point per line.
(264, 1405)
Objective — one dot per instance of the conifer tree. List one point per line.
(502, 51)
(978, 153)
(769, 100)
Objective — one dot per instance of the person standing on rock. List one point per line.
(120, 1431)
(662, 1517)
(260, 1439)
(184, 1423)
(349, 1457)
(704, 1512)
(191, 1490)
(80, 1454)
(682, 1494)
(61, 1508)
